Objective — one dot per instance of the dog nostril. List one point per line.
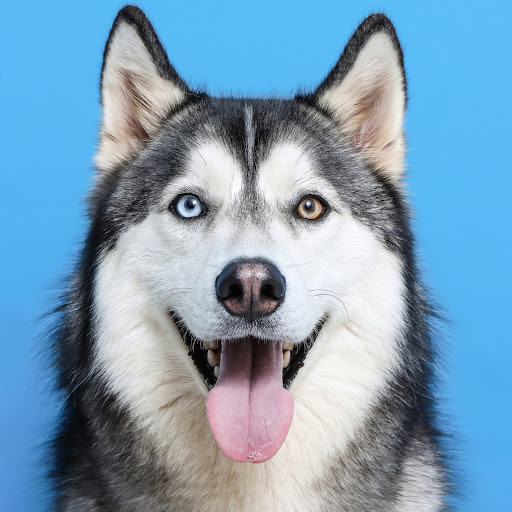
(275, 286)
(269, 291)
(234, 291)
(227, 285)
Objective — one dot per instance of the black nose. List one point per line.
(250, 288)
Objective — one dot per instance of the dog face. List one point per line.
(229, 223)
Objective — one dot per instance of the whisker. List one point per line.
(328, 293)
(300, 156)
(303, 180)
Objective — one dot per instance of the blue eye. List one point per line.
(188, 206)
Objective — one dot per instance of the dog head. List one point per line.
(243, 232)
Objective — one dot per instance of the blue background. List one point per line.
(458, 59)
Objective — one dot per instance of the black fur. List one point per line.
(371, 25)
(103, 460)
(135, 17)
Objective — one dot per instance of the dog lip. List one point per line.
(199, 353)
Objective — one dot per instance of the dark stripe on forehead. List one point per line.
(249, 127)
(242, 128)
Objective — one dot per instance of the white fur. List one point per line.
(420, 478)
(288, 173)
(370, 104)
(164, 263)
(128, 59)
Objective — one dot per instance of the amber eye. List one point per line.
(311, 208)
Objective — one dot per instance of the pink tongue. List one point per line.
(248, 410)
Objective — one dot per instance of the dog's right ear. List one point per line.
(139, 87)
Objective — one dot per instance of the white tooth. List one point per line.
(212, 345)
(216, 371)
(213, 358)
(286, 358)
(287, 345)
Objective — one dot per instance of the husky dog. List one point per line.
(246, 329)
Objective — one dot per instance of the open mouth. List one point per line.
(249, 408)
(206, 354)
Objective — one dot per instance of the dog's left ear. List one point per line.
(365, 93)
(139, 88)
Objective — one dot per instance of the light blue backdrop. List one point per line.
(458, 59)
